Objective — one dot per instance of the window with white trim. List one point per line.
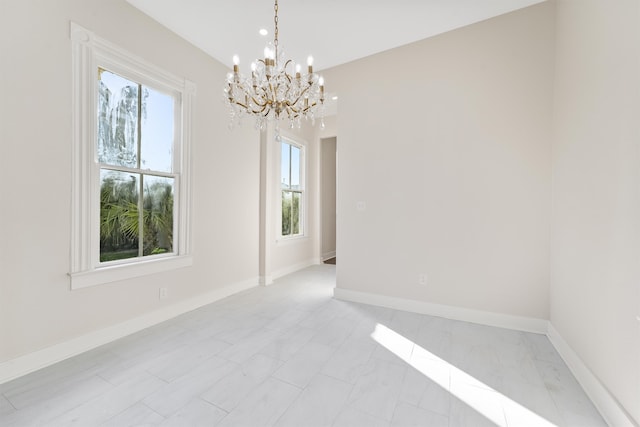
(292, 188)
(130, 194)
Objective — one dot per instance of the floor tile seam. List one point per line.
(351, 407)
(273, 377)
(165, 382)
(146, 406)
(9, 401)
(420, 408)
(553, 399)
(326, 374)
(396, 361)
(80, 404)
(201, 398)
(256, 352)
(40, 402)
(505, 381)
(287, 409)
(347, 383)
(371, 414)
(205, 359)
(475, 411)
(397, 399)
(72, 377)
(369, 358)
(273, 357)
(296, 385)
(301, 390)
(134, 403)
(503, 398)
(284, 329)
(172, 383)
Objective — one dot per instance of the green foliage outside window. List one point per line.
(291, 180)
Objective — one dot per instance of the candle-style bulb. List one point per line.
(236, 59)
(310, 64)
(298, 68)
(321, 81)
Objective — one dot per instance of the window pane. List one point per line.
(295, 213)
(158, 215)
(284, 166)
(117, 120)
(157, 131)
(286, 213)
(118, 215)
(295, 168)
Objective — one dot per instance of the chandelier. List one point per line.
(274, 91)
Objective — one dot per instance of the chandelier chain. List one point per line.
(275, 20)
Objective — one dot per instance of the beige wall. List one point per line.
(447, 141)
(37, 308)
(595, 288)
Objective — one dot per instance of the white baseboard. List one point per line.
(608, 406)
(293, 268)
(265, 280)
(328, 255)
(519, 323)
(31, 362)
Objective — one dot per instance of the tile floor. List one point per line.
(290, 355)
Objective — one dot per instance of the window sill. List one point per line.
(291, 240)
(115, 273)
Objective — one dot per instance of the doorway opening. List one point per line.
(328, 181)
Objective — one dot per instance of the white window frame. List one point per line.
(90, 52)
(303, 189)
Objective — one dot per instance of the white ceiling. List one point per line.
(333, 31)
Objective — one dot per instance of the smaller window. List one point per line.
(292, 181)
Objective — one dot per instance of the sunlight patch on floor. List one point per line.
(482, 398)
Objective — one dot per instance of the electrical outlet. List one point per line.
(361, 206)
(422, 278)
(164, 293)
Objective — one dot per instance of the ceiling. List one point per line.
(333, 31)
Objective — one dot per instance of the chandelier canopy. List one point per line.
(274, 90)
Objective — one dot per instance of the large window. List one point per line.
(135, 140)
(130, 195)
(292, 187)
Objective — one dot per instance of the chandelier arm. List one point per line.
(259, 111)
(252, 111)
(301, 94)
(295, 114)
(309, 107)
(264, 105)
(241, 104)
